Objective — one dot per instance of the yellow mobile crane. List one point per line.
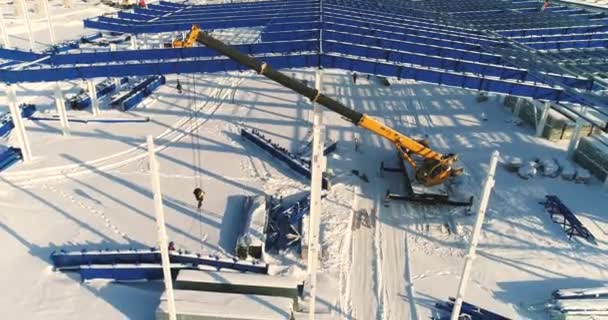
(189, 42)
(433, 169)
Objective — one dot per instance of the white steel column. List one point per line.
(48, 20)
(540, 126)
(60, 103)
(481, 212)
(318, 166)
(18, 122)
(575, 137)
(18, 8)
(117, 79)
(517, 108)
(5, 40)
(160, 224)
(27, 22)
(93, 96)
(133, 42)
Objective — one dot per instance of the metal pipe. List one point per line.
(160, 224)
(481, 212)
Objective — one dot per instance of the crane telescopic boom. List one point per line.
(435, 168)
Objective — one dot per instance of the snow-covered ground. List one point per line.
(91, 189)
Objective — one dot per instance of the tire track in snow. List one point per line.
(362, 278)
(176, 132)
(99, 213)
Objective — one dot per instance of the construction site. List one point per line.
(304, 159)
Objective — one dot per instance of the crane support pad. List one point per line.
(282, 154)
(412, 195)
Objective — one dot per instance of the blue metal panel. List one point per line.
(581, 44)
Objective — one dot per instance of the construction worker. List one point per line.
(199, 195)
(142, 3)
(171, 246)
(179, 86)
(357, 144)
(545, 6)
(355, 78)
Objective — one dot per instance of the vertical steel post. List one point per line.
(5, 40)
(93, 97)
(48, 20)
(575, 137)
(60, 103)
(481, 212)
(160, 224)
(18, 122)
(27, 22)
(540, 127)
(318, 166)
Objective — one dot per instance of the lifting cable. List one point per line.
(196, 155)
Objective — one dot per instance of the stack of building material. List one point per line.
(252, 235)
(201, 305)
(560, 123)
(244, 283)
(592, 154)
(8, 156)
(591, 303)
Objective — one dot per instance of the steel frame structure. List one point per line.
(507, 47)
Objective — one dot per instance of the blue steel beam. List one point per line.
(286, 47)
(277, 13)
(143, 14)
(400, 20)
(149, 68)
(294, 16)
(187, 25)
(416, 30)
(561, 45)
(227, 8)
(530, 90)
(450, 65)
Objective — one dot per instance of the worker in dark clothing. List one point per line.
(199, 195)
(171, 246)
(357, 144)
(179, 86)
(355, 78)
